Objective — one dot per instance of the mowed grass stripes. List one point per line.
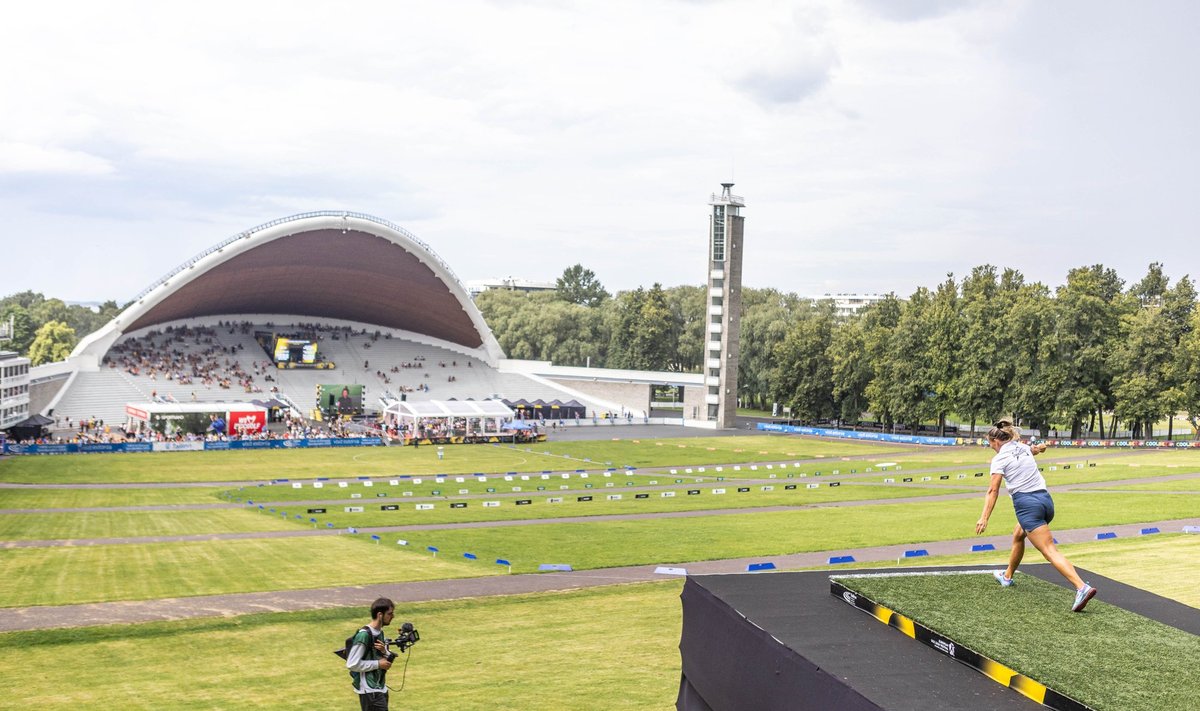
(67, 576)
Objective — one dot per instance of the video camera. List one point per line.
(406, 637)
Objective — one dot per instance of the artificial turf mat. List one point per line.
(1105, 657)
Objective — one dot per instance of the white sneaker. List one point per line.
(1082, 595)
(999, 576)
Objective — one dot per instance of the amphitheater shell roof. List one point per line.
(340, 266)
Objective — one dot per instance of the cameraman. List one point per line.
(369, 658)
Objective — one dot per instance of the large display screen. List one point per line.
(340, 399)
(295, 350)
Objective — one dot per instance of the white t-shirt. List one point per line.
(1015, 462)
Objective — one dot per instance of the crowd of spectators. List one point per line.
(187, 355)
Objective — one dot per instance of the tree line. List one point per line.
(47, 330)
(1084, 357)
(1087, 356)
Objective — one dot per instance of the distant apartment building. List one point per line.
(478, 286)
(14, 389)
(850, 304)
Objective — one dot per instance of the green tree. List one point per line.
(985, 365)
(880, 322)
(849, 370)
(1029, 342)
(580, 286)
(942, 350)
(53, 342)
(686, 304)
(767, 314)
(903, 387)
(1139, 365)
(1187, 365)
(1150, 290)
(640, 330)
(802, 376)
(541, 327)
(1146, 383)
(23, 327)
(1089, 316)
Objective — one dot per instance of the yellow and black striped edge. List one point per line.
(989, 667)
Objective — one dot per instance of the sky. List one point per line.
(879, 144)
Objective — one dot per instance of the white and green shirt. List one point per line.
(363, 662)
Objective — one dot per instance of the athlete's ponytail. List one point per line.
(1003, 431)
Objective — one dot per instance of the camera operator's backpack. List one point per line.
(344, 651)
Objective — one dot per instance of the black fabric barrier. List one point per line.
(780, 642)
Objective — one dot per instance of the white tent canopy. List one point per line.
(459, 417)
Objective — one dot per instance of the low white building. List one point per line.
(478, 286)
(851, 304)
(14, 389)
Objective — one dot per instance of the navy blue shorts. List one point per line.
(1034, 509)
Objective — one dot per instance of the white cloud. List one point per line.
(28, 158)
(879, 145)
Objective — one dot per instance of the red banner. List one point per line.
(247, 423)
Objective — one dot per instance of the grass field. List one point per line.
(1147, 666)
(63, 576)
(110, 524)
(125, 496)
(541, 508)
(611, 648)
(394, 461)
(553, 651)
(474, 654)
(180, 569)
(1191, 485)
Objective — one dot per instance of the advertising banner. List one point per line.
(178, 446)
(247, 423)
(846, 434)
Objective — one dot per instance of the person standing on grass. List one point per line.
(369, 658)
(1034, 508)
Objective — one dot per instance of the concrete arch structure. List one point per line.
(342, 266)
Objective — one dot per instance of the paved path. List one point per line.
(131, 612)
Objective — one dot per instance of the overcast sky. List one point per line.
(879, 144)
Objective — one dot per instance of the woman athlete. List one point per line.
(1035, 509)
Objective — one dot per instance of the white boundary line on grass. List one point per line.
(911, 573)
